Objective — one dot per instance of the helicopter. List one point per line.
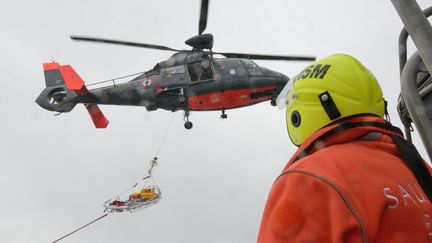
(189, 80)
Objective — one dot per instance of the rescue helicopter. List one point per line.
(190, 80)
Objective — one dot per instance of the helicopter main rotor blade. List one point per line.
(203, 16)
(119, 42)
(265, 57)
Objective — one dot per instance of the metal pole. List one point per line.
(414, 102)
(418, 27)
(403, 37)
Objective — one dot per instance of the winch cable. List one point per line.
(152, 165)
(153, 162)
(61, 238)
(165, 136)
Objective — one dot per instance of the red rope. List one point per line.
(101, 217)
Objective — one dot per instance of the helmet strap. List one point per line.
(343, 127)
(386, 114)
(329, 105)
(415, 163)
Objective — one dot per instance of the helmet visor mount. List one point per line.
(286, 97)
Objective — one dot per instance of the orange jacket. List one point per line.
(347, 184)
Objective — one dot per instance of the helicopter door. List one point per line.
(200, 71)
(173, 77)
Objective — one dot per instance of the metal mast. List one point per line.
(420, 31)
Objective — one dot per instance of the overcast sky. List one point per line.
(57, 171)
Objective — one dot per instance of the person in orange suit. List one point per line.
(354, 178)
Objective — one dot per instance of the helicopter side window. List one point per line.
(173, 76)
(168, 72)
(200, 71)
(252, 68)
(230, 67)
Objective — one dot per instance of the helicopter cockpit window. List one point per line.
(230, 67)
(168, 72)
(252, 68)
(200, 71)
(173, 76)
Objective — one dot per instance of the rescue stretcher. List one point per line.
(138, 200)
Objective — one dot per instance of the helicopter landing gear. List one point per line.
(273, 101)
(182, 97)
(223, 116)
(188, 125)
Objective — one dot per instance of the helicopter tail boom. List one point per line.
(64, 89)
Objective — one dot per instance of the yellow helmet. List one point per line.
(330, 89)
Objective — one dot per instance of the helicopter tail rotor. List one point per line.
(64, 89)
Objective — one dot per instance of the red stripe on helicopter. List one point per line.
(99, 120)
(227, 99)
(51, 66)
(74, 82)
(72, 79)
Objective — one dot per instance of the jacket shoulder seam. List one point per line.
(340, 193)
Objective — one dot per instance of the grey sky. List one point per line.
(57, 171)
